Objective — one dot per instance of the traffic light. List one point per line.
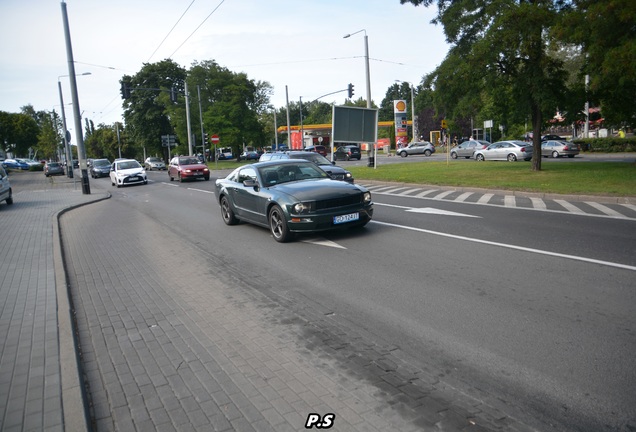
(125, 90)
(350, 90)
(173, 95)
(205, 138)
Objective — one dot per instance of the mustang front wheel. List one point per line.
(278, 225)
(226, 212)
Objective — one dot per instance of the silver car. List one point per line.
(559, 148)
(506, 150)
(154, 163)
(425, 148)
(467, 148)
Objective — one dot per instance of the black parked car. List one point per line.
(100, 168)
(347, 152)
(336, 172)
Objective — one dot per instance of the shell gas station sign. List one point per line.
(399, 111)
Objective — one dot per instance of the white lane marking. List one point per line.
(443, 195)
(630, 206)
(508, 246)
(510, 201)
(169, 184)
(608, 211)
(427, 210)
(200, 190)
(323, 242)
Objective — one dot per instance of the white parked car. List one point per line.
(154, 163)
(5, 187)
(506, 150)
(126, 172)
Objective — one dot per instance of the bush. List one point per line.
(38, 167)
(607, 145)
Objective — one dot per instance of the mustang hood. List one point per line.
(316, 190)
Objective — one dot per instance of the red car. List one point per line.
(187, 168)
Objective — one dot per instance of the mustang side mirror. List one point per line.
(250, 183)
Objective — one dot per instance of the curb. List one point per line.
(75, 415)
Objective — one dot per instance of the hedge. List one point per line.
(607, 145)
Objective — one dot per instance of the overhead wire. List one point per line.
(173, 27)
(195, 30)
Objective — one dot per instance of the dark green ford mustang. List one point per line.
(291, 196)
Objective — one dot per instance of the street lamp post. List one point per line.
(67, 146)
(416, 135)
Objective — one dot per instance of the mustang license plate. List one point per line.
(346, 218)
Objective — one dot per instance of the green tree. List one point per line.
(500, 46)
(606, 33)
(18, 133)
(146, 108)
(49, 142)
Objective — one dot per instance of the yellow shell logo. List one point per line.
(400, 106)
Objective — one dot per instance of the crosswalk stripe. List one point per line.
(463, 196)
(426, 192)
(538, 203)
(608, 211)
(443, 195)
(510, 201)
(485, 198)
(569, 207)
(408, 191)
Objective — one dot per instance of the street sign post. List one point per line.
(214, 139)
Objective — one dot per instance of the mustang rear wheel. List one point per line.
(278, 225)
(226, 212)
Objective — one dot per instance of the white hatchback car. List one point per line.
(126, 172)
(5, 187)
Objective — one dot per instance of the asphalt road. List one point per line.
(533, 311)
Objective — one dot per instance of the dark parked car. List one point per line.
(291, 196)
(552, 138)
(100, 168)
(187, 168)
(320, 149)
(347, 152)
(336, 172)
(250, 155)
(53, 168)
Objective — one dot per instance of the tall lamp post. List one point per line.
(366, 64)
(67, 147)
(416, 135)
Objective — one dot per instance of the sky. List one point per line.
(297, 46)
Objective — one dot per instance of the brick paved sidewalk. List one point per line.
(39, 385)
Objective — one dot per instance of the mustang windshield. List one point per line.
(283, 173)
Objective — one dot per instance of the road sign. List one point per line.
(444, 124)
(214, 139)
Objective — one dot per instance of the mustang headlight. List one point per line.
(347, 174)
(367, 197)
(300, 208)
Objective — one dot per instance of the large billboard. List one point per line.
(354, 125)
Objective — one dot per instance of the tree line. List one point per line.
(516, 62)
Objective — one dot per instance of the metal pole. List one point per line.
(67, 147)
(81, 154)
(187, 102)
(201, 120)
(302, 131)
(288, 121)
(118, 141)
